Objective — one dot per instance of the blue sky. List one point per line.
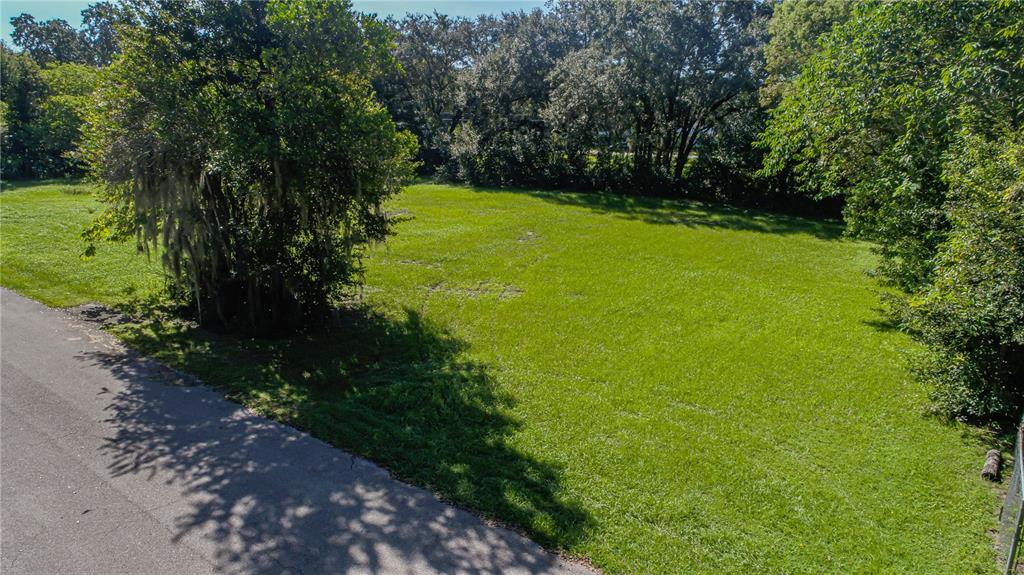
(70, 10)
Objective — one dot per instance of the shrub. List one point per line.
(972, 314)
(244, 139)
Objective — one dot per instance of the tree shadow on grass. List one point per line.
(267, 499)
(883, 321)
(688, 213)
(68, 185)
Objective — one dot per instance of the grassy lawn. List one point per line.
(661, 387)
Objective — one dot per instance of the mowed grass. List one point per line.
(660, 387)
(41, 249)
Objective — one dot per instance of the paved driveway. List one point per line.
(110, 463)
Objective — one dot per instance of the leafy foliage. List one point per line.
(654, 79)
(887, 114)
(505, 93)
(56, 41)
(972, 314)
(48, 41)
(425, 95)
(21, 90)
(589, 94)
(44, 114)
(47, 87)
(795, 28)
(69, 91)
(99, 31)
(245, 140)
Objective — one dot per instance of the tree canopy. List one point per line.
(56, 41)
(795, 29)
(587, 94)
(246, 141)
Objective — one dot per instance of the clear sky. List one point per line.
(71, 10)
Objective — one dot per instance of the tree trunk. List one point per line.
(686, 141)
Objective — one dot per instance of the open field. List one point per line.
(661, 387)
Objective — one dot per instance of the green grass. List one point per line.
(41, 249)
(661, 387)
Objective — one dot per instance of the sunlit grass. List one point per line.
(661, 387)
(42, 252)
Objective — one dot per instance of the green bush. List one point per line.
(21, 91)
(972, 314)
(256, 159)
(69, 93)
(44, 111)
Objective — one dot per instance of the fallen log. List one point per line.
(993, 461)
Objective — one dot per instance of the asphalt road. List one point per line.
(111, 463)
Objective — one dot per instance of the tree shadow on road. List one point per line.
(269, 500)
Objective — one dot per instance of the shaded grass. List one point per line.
(398, 390)
(661, 386)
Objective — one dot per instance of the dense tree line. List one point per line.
(57, 41)
(633, 96)
(41, 115)
(46, 88)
